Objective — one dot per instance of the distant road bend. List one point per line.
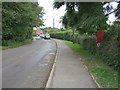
(27, 66)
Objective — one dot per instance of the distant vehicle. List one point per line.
(47, 36)
(42, 35)
(37, 38)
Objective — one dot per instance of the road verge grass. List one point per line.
(4, 47)
(15, 44)
(104, 75)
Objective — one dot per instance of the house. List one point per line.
(37, 32)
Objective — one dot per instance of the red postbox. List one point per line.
(99, 35)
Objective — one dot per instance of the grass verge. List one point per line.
(4, 47)
(104, 75)
(13, 44)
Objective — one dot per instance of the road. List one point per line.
(27, 66)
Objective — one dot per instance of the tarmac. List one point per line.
(68, 70)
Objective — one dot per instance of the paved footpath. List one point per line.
(70, 71)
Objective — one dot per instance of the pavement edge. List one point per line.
(53, 68)
(92, 76)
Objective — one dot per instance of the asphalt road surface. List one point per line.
(28, 66)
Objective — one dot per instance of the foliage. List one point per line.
(117, 14)
(18, 20)
(56, 30)
(111, 47)
(12, 44)
(51, 30)
(79, 16)
(78, 48)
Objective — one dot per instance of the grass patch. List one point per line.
(79, 49)
(4, 47)
(0, 47)
(105, 76)
(13, 44)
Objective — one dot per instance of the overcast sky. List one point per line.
(57, 13)
(51, 13)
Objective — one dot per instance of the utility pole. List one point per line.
(53, 22)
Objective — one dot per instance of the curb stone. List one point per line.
(98, 85)
(52, 70)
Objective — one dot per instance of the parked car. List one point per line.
(42, 35)
(37, 38)
(47, 36)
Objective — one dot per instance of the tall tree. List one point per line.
(117, 14)
(84, 16)
(18, 19)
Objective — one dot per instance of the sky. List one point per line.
(112, 16)
(51, 13)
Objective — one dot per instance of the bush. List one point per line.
(12, 43)
(110, 48)
(7, 42)
(89, 44)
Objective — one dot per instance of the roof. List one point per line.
(39, 31)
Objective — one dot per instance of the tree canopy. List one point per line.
(18, 19)
(86, 17)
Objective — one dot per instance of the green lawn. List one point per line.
(105, 76)
(4, 47)
(15, 44)
(79, 49)
(0, 47)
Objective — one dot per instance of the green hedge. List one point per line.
(64, 36)
(109, 50)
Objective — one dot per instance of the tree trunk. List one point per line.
(73, 36)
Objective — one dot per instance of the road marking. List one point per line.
(42, 65)
(51, 53)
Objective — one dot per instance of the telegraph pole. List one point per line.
(53, 22)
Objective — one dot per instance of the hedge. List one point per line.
(108, 51)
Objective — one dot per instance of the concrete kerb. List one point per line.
(52, 70)
(92, 76)
(45, 82)
(98, 85)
